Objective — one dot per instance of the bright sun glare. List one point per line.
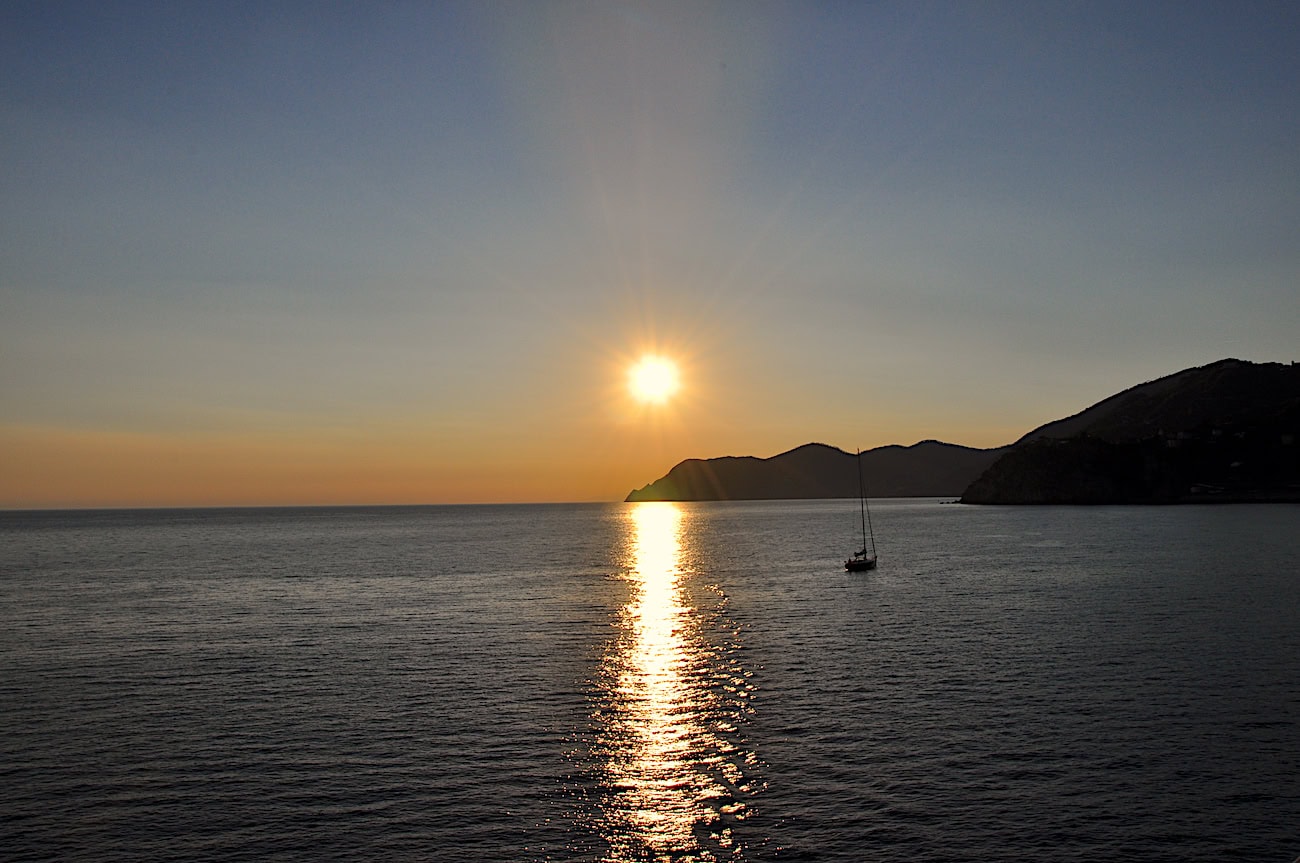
(653, 379)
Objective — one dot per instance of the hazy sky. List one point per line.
(405, 252)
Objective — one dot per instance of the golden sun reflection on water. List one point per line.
(667, 767)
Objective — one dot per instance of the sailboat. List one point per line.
(866, 558)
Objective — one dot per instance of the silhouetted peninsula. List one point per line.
(1226, 432)
(815, 470)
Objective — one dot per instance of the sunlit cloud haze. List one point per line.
(390, 253)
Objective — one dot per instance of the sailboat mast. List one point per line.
(871, 531)
(862, 503)
(867, 529)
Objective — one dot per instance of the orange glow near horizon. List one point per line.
(568, 430)
(49, 468)
(599, 456)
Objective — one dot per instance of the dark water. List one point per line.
(651, 682)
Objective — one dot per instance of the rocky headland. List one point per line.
(1222, 432)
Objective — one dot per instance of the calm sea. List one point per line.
(651, 682)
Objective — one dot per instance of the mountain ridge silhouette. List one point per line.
(816, 470)
(1226, 430)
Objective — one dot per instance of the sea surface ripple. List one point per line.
(627, 682)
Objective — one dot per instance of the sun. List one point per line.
(653, 379)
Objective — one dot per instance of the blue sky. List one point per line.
(404, 252)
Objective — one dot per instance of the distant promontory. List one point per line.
(926, 469)
(1225, 431)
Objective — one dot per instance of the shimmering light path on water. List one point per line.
(695, 682)
(666, 732)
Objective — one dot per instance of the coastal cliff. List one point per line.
(1226, 431)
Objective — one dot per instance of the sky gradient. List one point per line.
(299, 253)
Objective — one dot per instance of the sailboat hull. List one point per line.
(860, 564)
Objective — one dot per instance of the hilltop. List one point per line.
(1228, 393)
